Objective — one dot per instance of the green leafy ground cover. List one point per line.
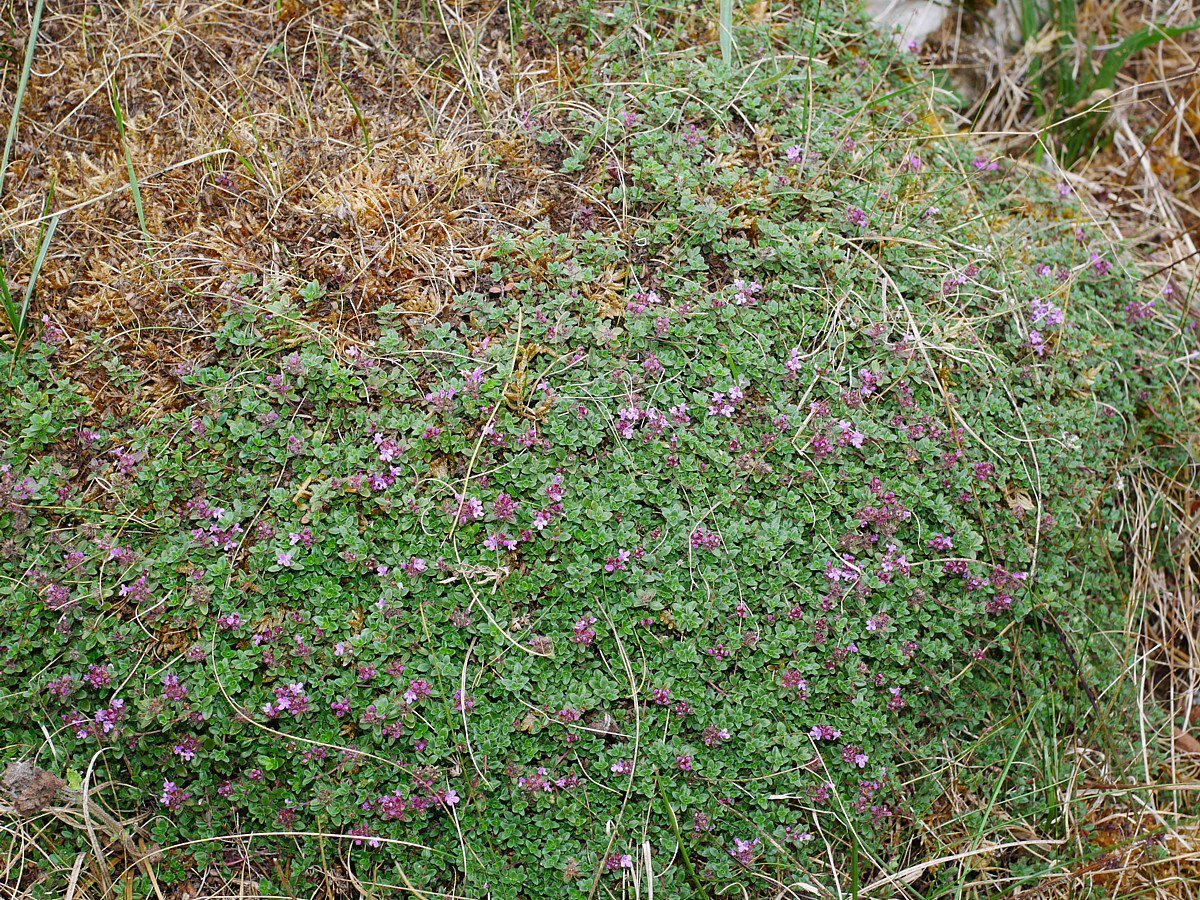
(715, 549)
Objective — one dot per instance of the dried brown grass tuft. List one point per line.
(338, 142)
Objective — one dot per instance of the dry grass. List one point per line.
(338, 143)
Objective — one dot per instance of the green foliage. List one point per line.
(312, 292)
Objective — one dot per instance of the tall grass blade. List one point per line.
(10, 311)
(1031, 19)
(683, 853)
(18, 319)
(22, 83)
(37, 266)
(134, 187)
(1068, 38)
(725, 31)
(358, 114)
(1139, 40)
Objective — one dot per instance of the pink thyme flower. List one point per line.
(467, 509)
(743, 851)
(618, 563)
(290, 699)
(173, 797)
(187, 748)
(713, 736)
(172, 689)
(853, 755)
(941, 542)
(793, 681)
(500, 540)
(109, 717)
(583, 633)
(719, 406)
(98, 676)
(1139, 310)
(417, 690)
(504, 508)
(1046, 313)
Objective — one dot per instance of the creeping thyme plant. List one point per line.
(707, 540)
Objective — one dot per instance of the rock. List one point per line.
(30, 789)
(914, 19)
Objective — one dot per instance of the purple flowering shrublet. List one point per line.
(702, 509)
(173, 796)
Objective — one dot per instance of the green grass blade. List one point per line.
(1031, 19)
(37, 268)
(358, 114)
(1139, 40)
(134, 187)
(725, 31)
(10, 311)
(683, 853)
(1067, 88)
(22, 83)
(18, 319)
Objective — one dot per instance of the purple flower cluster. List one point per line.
(289, 699)
(542, 782)
(824, 733)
